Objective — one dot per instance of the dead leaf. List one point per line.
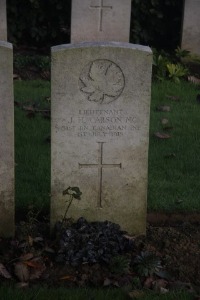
(116, 283)
(34, 264)
(161, 135)
(38, 239)
(164, 121)
(49, 250)
(129, 237)
(164, 108)
(30, 241)
(194, 79)
(136, 294)
(4, 273)
(68, 278)
(107, 282)
(148, 283)
(26, 257)
(21, 285)
(172, 97)
(179, 201)
(16, 77)
(158, 284)
(28, 108)
(36, 273)
(164, 275)
(163, 291)
(22, 272)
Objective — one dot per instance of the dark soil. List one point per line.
(32, 257)
(179, 246)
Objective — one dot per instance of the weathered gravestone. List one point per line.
(3, 22)
(100, 117)
(6, 140)
(191, 26)
(100, 129)
(100, 20)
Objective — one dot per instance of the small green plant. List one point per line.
(136, 283)
(176, 71)
(159, 62)
(167, 66)
(120, 265)
(74, 193)
(147, 264)
(38, 62)
(181, 53)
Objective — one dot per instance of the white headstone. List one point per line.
(3, 21)
(100, 20)
(100, 131)
(191, 26)
(6, 141)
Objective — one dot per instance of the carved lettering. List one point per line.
(98, 123)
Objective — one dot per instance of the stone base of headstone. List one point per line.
(100, 130)
(7, 227)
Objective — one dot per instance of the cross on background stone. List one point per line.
(101, 8)
(100, 20)
(100, 167)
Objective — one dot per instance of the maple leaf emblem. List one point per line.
(102, 82)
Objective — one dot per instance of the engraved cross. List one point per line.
(101, 7)
(100, 165)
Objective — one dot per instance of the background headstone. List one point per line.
(6, 140)
(191, 26)
(100, 20)
(3, 21)
(100, 131)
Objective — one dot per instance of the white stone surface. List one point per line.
(6, 141)
(3, 21)
(100, 131)
(100, 20)
(191, 26)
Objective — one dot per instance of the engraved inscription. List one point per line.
(101, 8)
(100, 165)
(102, 81)
(99, 123)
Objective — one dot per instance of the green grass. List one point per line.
(32, 155)
(173, 182)
(81, 294)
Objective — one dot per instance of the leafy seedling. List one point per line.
(147, 264)
(74, 193)
(120, 265)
